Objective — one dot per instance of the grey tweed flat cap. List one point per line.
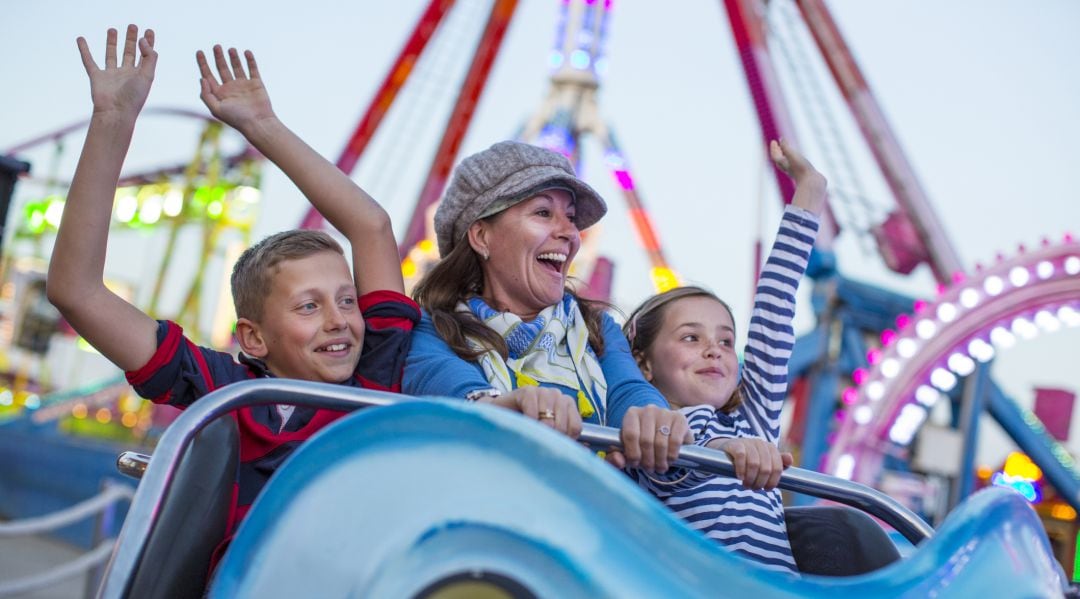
(501, 176)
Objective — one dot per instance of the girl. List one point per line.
(684, 344)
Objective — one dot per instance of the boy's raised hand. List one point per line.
(122, 86)
(236, 97)
(809, 183)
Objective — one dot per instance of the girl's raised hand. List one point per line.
(236, 97)
(809, 183)
(121, 87)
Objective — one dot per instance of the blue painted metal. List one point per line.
(385, 502)
(969, 427)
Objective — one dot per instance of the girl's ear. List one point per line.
(644, 365)
(250, 338)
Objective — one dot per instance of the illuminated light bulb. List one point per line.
(946, 312)
(1069, 316)
(129, 419)
(1024, 328)
(927, 395)
(993, 285)
(1072, 265)
(579, 59)
(943, 379)
(1019, 276)
(875, 391)
(103, 415)
(961, 364)
(863, 414)
(555, 59)
(1002, 338)
(32, 402)
(887, 337)
(850, 395)
(873, 356)
(54, 213)
(247, 194)
(910, 419)
(6, 397)
(79, 411)
(1044, 269)
(969, 298)
(174, 202)
(906, 347)
(215, 209)
(426, 245)
(126, 207)
(919, 306)
(408, 268)
(958, 277)
(1047, 322)
(845, 467)
(859, 376)
(150, 212)
(981, 350)
(902, 321)
(925, 329)
(890, 367)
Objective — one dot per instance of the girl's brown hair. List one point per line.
(644, 324)
(458, 276)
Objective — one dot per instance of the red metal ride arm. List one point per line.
(490, 41)
(391, 85)
(749, 32)
(901, 178)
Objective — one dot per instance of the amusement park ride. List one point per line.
(866, 376)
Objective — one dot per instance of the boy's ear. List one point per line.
(250, 338)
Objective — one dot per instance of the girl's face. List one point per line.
(530, 247)
(692, 361)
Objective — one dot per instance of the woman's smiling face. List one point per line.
(529, 248)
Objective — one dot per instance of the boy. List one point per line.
(299, 312)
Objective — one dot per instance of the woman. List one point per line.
(502, 327)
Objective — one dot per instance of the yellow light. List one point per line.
(126, 207)
(984, 472)
(103, 415)
(151, 209)
(85, 346)
(247, 194)
(79, 411)
(663, 278)
(215, 208)
(426, 245)
(408, 268)
(129, 419)
(1063, 511)
(1018, 464)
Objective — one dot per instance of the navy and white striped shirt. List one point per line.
(751, 523)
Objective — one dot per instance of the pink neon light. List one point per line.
(850, 396)
(608, 3)
(887, 337)
(920, 306)
(859, 375)
(873, 356)
(941, 289)
(958, 277)
(1068, 238)
(624, 180)
(902, 321)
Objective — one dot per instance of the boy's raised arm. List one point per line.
(239, 99)
(75, 283)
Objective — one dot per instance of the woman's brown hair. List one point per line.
(644, 324)
(457, 277)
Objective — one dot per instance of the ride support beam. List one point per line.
(395, 79)
(460, 117)
(898, 171)
(748, 29)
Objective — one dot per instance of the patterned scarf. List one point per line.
(553, 348)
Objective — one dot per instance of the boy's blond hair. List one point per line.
(253, 273)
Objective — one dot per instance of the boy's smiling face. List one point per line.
(311, 327)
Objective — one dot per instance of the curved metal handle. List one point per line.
(132, 464)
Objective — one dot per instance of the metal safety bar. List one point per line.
(160, 470)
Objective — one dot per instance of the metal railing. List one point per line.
(102, 505)
(159, 472)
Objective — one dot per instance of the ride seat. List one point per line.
(833, 540)
(175, 561)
